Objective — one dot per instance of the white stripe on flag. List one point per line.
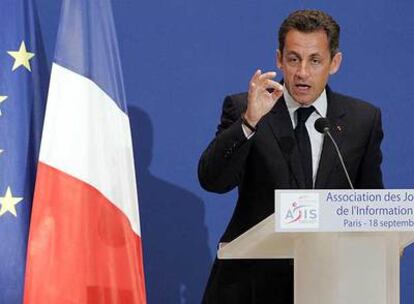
(87, 136)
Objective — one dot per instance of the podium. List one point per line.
(330, 267)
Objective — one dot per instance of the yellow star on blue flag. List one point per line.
(8, 202)
(21, 57)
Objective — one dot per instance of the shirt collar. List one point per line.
(320, 104)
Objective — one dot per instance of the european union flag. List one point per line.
(23, 85)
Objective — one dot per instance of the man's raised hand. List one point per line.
(263, 94)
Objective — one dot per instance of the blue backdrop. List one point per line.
(181, 57)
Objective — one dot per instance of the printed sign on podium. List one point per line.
(344, 210)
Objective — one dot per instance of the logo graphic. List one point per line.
(299, 210)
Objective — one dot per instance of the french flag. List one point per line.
(85, 241)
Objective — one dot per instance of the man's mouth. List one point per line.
(302, 87)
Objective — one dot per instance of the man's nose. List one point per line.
(303, 70)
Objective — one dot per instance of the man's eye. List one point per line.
(293, 59)
(316, 61)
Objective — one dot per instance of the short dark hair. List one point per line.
(308, 21)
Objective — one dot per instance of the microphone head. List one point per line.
(322, 125)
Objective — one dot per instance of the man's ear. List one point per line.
(279, 62)
(335, 63)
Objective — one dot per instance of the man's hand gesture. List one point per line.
(263, 94)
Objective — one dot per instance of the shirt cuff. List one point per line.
(247, 132)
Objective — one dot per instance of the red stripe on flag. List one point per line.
(80, 245)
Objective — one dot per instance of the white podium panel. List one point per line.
(347, 268)
(330, 267)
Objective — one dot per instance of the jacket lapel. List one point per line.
(281, 126)
(329, 156)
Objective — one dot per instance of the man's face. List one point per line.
(306, 64)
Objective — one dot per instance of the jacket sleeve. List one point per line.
(370, 174)
(221, 166)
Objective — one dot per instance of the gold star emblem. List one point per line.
(21, 57)
(2, 98)
(8, 203)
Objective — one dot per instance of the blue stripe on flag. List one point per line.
(91, 55)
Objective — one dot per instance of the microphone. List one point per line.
(322, 126)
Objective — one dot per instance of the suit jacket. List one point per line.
(270, 160)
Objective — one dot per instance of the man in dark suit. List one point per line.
(266, 141)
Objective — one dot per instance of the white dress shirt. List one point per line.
(316, 138)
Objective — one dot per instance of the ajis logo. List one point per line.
(299, 210)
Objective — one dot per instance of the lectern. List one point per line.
(330, 267)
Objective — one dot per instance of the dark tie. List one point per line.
(302, 138)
